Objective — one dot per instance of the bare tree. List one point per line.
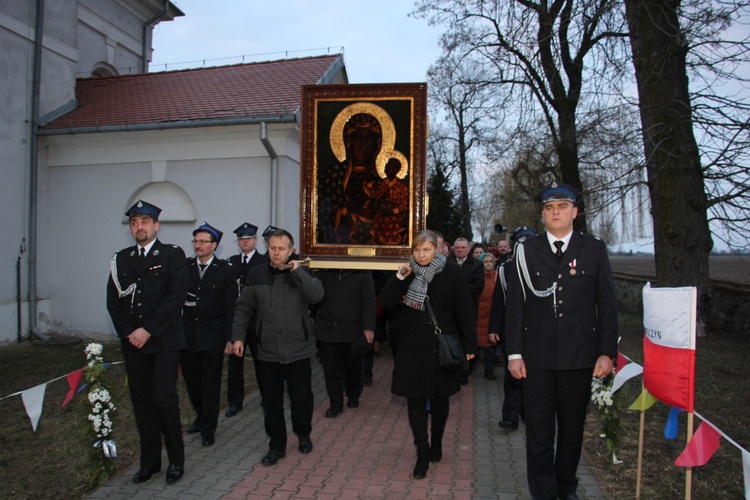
(465, 102)
(541, 51)
(675, 178)
(718, 64)
(443, 215)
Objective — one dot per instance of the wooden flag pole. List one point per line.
(640, 449)
(689, 470)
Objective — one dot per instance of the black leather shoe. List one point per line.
(207, 441)
(232, 411)
(352, 403)
(174, 473)
(508, 426)
(305, 445)
(144, 475)
(272, 457)
(193, 429)
(333, 412)
(489, 375)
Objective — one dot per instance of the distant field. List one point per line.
(734, 269)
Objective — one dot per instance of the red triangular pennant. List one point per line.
(701, 447)
(621, 361)
(73, 379)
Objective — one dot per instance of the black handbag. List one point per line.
(451, 354)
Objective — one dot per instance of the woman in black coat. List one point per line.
(417, 374)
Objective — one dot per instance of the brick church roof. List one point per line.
(264, 89)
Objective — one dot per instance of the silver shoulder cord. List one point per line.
(129, 291)
(523, 276)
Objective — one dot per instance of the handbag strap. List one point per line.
(432, 316)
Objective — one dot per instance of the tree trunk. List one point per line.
(567, 153)
(682, 240)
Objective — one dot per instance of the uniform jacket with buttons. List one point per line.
(280, 298)
(582, 325)
(209, 306)
(243, 269)
(156, 304)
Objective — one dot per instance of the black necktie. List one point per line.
(143, 252)
(202, 266)
(559, 244)
(244, 259)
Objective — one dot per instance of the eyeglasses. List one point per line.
(200, 242)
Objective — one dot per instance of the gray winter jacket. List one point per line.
(283, 325)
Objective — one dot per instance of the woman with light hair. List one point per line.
(428, 281)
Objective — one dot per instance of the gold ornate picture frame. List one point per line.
(363, 173)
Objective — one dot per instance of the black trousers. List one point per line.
(340, 371)
(236, 372)
(417, 408)
(297, 376)
(513, 395)
(152, 379)
(554, 397)
(202, 373)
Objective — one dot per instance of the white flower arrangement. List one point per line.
(602, 397)
(102, 407)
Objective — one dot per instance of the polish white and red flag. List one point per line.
(669, 322)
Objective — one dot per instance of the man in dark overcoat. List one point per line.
(249, 257)
(471, 268)
(561, 329)
(145, 294)
(343, 317)
(207, 318)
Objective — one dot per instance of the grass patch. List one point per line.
(51, 462)
(721, 396)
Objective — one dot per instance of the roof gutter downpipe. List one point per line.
(34, 167)
(274, 169)
(146, 27)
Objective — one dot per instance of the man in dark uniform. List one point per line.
(249, 257)
(561, 329)
(145, 294)
(207, 317)
(512, 387)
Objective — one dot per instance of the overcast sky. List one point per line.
(381, 43)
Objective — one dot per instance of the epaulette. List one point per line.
(592, 236)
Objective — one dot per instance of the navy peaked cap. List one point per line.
(143, 208)
(208, 228)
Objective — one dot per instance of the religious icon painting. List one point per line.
(363, 172)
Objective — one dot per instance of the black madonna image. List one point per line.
(363, 169)
(363, 198)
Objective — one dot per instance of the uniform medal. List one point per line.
(573, 268)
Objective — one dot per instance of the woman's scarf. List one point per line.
(417, 292)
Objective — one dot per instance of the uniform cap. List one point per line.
(208, 228)
(522, 233)
(246, 230)
(143, 208)
(558, 191)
